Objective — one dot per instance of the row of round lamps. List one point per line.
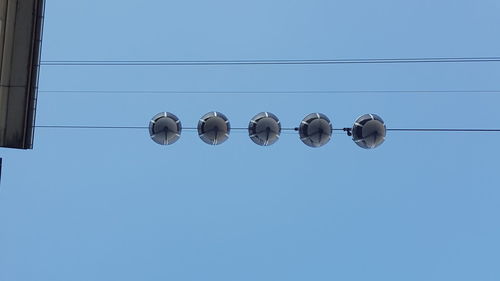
(264, 129)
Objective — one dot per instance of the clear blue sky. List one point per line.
(113, 205)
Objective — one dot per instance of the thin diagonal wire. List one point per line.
(267, 62)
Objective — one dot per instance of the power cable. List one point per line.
(129, 127)
(267, 61)
(283, 129)
(273, 92)
(443, 130)
(88, 127)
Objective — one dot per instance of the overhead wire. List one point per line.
(128, 127)
(484, 130)
(283, 92)
(268, 61)
(441, 130)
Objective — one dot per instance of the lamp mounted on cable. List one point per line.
(165, 128)
(214, 128)
(315, 130)
(368, 131)
(264, 129)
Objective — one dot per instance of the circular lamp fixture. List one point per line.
(315, 130)
(264, 129)
(369, 131)
(165, 128)
(214, 128)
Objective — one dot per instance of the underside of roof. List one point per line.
(20, 42)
